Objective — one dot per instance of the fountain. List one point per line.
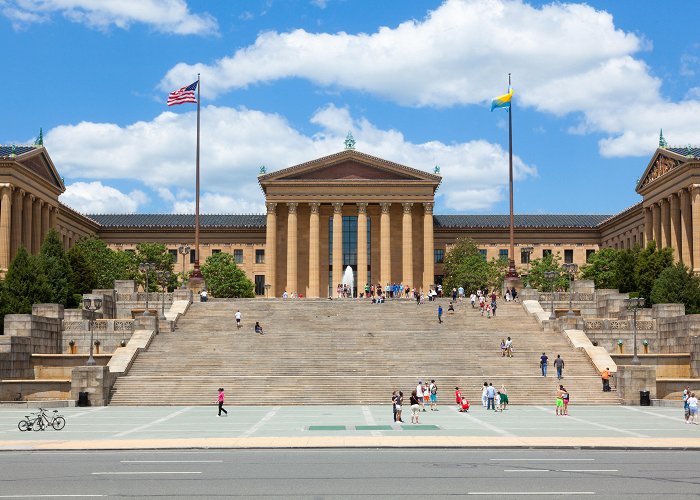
(349, 279)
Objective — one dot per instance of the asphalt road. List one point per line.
(433, 473)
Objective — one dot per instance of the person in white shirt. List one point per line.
(420, 394)
(693, 407)
(238, 319)
(472, 299)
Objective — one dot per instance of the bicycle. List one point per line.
(40, 421)
(33, 422)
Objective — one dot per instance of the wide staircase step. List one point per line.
(350, 352)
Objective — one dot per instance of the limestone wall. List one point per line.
(45, 332)
(15, 357)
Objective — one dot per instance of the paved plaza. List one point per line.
(352, 426)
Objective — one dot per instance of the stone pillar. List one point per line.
(665, 224)
(36, 224)
(407, 238)
(5, 212)
(337, 246)
(648, 225)
(44, 220)
(271, 249)
(676, 243)
(292, 238)
(686, 229)
(428, 247)
(27, 212)
(16, 224)
(656, 219)
(53, 215)
(695, 202)
(361, 247)
(314, 251)
(385, 244)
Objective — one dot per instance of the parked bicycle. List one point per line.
(40, 421)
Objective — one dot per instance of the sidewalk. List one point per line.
(119, 427)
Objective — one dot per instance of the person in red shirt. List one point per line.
(458, 397)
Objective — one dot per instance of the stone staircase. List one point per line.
(350, 352)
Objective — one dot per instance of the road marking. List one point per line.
(261, 422)
(159, 421)
(51, 496)
(142, 472)
(596, 424)
(587, 470)
(170, 461)
(527, 470)
(675, 419)
(486, 425)
(545, 459)
(369, 420)
(499, 493)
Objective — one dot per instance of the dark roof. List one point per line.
(178, 220)
(6, 150)
(521, 221)
(683, 151)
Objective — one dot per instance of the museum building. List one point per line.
(357, 210)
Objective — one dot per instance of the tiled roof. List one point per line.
(178, 220)
(683, 151)
(521, 221)
(6, 149)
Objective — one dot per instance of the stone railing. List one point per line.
(603, 325)
(100, 325)
(546, 297)
(141, 297)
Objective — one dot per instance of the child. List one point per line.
(458, 398)
(464, 405)
(503, 348)
(497, 406)
(488, 311)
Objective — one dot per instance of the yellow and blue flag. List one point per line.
(502, 101)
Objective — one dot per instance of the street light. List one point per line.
(570, 269)
(634, 303)
(146, 267)
(551, 276)
(183, 250)
(163, 278)
(91, 305)
(528, 251)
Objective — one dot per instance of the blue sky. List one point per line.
(284, 81)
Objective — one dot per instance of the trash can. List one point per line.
(83, 399)
(644, 399)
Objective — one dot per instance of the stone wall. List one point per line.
(59, 366)
(15, 358)
(45, 332)
(632, 379)
(97, 381)
(681, 334)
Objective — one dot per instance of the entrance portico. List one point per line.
(348, 209)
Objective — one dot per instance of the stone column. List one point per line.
(428, 247)
(665, 224)
(53, 215)
(648, 225)
(695, 201)
(36, 225)
(44, 220)
(271, 249)
(16, 229)
(656, 218)
(5, 213)
(337, 246)
(361, 247)
(27, 212)
(686, 229)
(292, 238)
(674, 201)
(407, 237)
(314, 251)
(385, 244)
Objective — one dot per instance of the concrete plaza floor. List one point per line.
(120, 427)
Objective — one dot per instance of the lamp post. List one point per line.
(551, 276)
(163, 278)
(183, 250)
(146, 267)
(570, 269)
(528, 251)
(91, 305)
(634, 303)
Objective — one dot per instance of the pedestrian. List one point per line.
(415, 407)
(220, 400)
(399, 405)
(203, 296)
(543, 364)
(499, 400)
(490, 396)
(559, 365)
(509, 347)
(559, 401)
(503, 348)
(504, 397)
(439, 314)
(433, 395)
(484, 398)
(451, 309)
(458, 398)
(605, 377)
(472, 299)
(565, 399)
(238, 319)
(686, 409)
(494, 306)
(394, 397)
(258, 328)
(488, 311)
(693, 407)
(419, 394)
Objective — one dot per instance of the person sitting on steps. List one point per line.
(258, 328)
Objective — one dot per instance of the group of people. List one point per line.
(690, 406)
(562, 401)
(423, 395)
(558, 364)
(239, 324)
(492, 399)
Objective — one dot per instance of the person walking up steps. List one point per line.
(559, 365)
(543, 364)
(439, 314)
(238, 319)
(220, 400)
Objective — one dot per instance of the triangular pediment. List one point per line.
(663, 162)
(39, 163)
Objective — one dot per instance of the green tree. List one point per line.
(57, 269)
(25, 284)
(109, 265)
(549, 262)
(603, 268)
(498, 268)
(650, 263)
(83, 278)
(225, 279)
(159, 255)
(677, 285)
(626, 265)
(465, 266)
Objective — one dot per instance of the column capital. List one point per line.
(337, 208)
(6, 185)
(407, 207)
(694, 188)
(314, 206)
(32, 197)
(292, 207)
(362, 208)
(428, 207)
(271, 208)
(386, 206)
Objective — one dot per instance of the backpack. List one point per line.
(433, 389)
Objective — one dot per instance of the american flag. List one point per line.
(183, 95)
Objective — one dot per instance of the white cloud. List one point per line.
(565, 58)
(236, 142)
(96, 198)
(167, 16)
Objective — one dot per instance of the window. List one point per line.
(173, 254)
(524, 257)
(503, 254)
(439, 255)
(589, 253)
(192, 256)
(259, 256)
(259, 283)
(215, 251)
(568, 256)
(546, 252)
(238, 255)
(483, 253)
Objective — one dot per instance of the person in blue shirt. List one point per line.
(543, 364)
(439, 314)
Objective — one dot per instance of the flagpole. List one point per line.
(197, 273)
(512, 272)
